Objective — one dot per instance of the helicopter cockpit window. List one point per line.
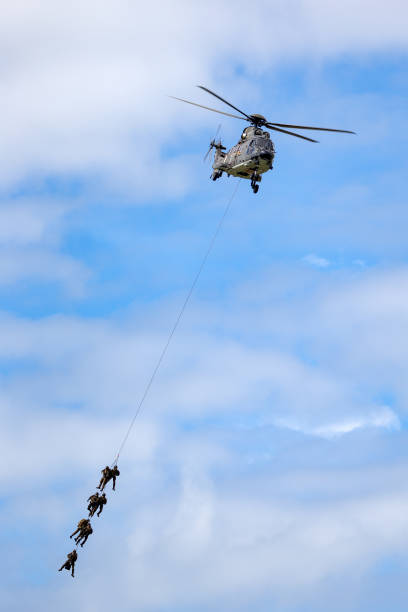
(268, 145)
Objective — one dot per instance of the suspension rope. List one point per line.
(178, 319)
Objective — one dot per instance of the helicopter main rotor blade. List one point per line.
(214, 110)
(309, 127)
(271, 127)
(225, 101)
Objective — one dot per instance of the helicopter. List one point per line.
(254, 153)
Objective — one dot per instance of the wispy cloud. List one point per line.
(315, 260)
(381, 417)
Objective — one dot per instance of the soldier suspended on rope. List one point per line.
(107, 475)
(96, 502)
(103, 480)
(84, 535)
(93, 503)
(83, 523)
(70, 563)
(101, 502)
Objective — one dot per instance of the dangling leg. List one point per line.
(85, 537)
(105, 482)
(107, 479)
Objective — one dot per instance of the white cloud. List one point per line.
(258, 545)
(31, 230)
(28, 222)
(315, 260)
(382, 417)
(223, 378)
(43, 266)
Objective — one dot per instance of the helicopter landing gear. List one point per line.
(216, 175)
(255, 178)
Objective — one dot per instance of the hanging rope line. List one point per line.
(178, 319)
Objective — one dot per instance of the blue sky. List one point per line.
(268, 468)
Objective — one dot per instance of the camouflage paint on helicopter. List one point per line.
(253, 155)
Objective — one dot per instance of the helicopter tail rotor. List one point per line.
(214, 144)
(209, 151)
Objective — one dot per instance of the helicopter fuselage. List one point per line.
(254, 153)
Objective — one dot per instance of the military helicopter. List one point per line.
(253, 155)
